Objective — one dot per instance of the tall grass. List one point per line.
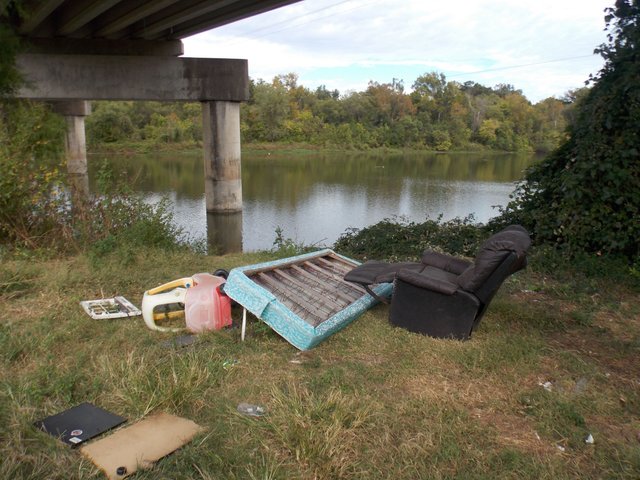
(373, 401)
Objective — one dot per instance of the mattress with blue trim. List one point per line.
(303, 298)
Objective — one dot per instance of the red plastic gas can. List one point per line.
(206, 307)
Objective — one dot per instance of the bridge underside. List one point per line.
(155, 20)
(80, 50)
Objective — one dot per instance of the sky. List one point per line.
(542, 47)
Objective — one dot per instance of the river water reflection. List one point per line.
(315, 197)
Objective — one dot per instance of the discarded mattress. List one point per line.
(304, 298)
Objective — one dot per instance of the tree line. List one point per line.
(436, 114)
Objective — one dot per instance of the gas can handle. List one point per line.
(186, 282)
(149, 302)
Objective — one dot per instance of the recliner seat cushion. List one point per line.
(445, 262)
(372, 272)
(435, 280)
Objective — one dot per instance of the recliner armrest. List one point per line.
(424, 281)
(445, 262)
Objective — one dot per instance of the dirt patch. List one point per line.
(604, 350)
(487, 401)
(514, 431)
(622, 325)
(428, 387)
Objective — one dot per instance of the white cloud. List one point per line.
(354, 41)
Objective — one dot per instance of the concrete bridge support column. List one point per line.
(74, 112)
(221, 139)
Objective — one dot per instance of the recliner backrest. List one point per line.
(499, 256)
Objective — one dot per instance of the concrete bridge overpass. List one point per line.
(152, 20)
(80, 50)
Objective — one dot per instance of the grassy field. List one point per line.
(371, 402)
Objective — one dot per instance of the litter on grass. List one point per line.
(199, 300)
(79, 424)
(228, 364)
(116, 307)
(251, 410)
(548, 386)
(301, 357)
(180, 341)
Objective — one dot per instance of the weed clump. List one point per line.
(37, 211)
(33, 209)
(119, 220)
(284, 247)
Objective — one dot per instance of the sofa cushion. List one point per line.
(513, 238)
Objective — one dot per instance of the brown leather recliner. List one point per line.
(444, 296)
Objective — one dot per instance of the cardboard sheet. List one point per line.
(141, 444)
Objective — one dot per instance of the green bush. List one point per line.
(117, 218)
(10, 77)
(110, 122)
(396, 239)
(284, 247)
(35, 207)
(585, 196)
(32, 200)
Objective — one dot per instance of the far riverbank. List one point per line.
(131, 148)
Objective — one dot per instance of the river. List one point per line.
(314, 197)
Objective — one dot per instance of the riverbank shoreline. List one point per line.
(143, 148)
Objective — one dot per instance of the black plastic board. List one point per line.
(79, 424)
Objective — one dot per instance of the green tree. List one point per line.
(487, 131)
(480, 105)
(358, 108)
(31, 147)
(272, 107)
(549, 124)
(329, 110)
(31, 180)
(10, 78)
(586, 194)
(428, 93)
(323, 94)
(572, 99)
(263, 115)
(110, 122)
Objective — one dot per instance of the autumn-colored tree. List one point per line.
(389, 102)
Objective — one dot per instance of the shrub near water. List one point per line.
(32, 211)
(35, 210)
(396, 239)
(119, 219)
